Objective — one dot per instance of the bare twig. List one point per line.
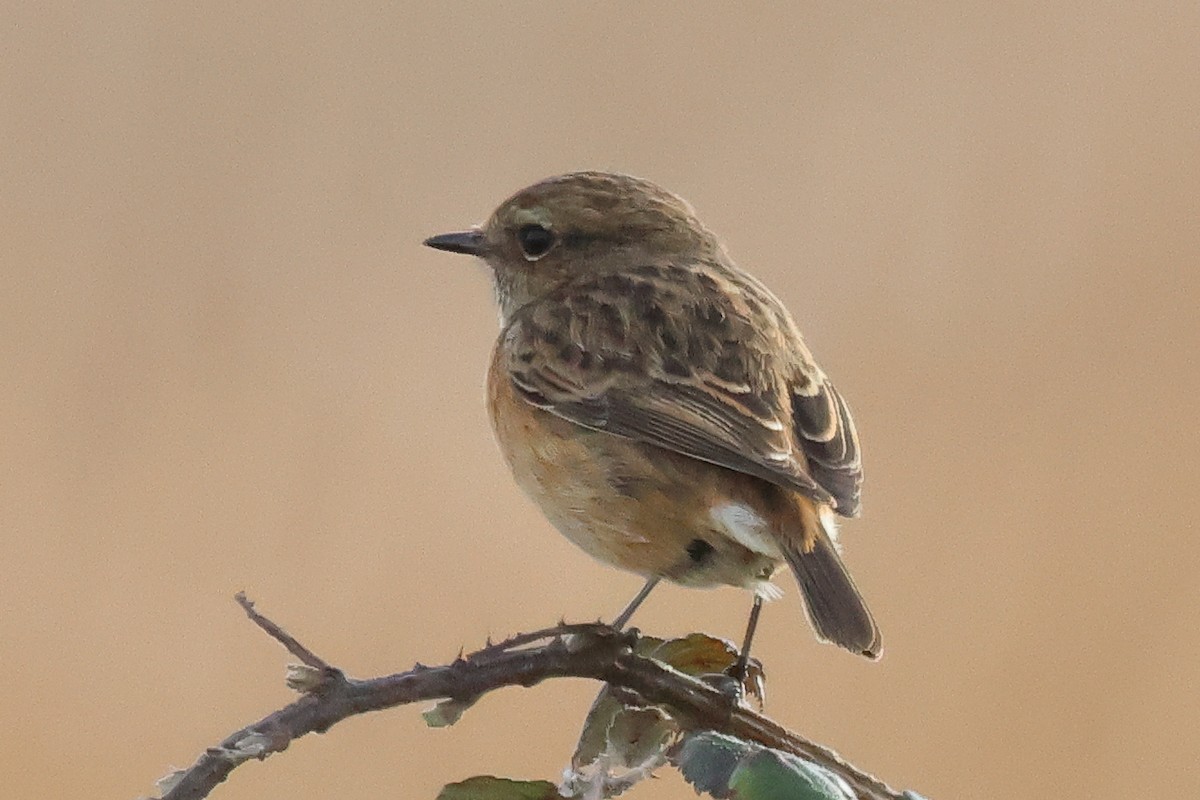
(583, 651)
(306, 656)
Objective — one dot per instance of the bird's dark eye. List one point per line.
(535, 241)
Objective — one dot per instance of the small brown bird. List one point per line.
(660, 405)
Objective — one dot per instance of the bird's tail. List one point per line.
(835, 607)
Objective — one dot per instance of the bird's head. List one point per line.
(578, 223)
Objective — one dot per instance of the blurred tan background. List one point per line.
(230, 365)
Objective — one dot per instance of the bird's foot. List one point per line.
(726, 684)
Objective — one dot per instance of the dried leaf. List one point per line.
(303, 678)
(640, 736)
(169, 781)
(622, 744)
(700, 654)
(447, 712)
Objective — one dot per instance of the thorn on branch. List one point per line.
(638, 671)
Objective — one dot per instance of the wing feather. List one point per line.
(830, 442)
(663, 358)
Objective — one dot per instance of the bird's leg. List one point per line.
(624, 616)
(738, 672)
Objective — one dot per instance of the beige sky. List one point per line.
(231, 366)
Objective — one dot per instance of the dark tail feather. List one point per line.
(835, 608)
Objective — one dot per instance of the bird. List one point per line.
(659, 404)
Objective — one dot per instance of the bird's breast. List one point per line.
(633, 505)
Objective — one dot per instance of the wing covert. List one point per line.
(663, 363)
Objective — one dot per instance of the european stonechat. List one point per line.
(660, 405)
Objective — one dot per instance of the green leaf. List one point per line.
(772, 775)
(727, 767)
(707, 761)
(489, 787)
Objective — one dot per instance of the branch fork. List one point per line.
(589, 650)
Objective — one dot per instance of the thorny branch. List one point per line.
(594, 651)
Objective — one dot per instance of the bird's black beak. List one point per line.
(470, 242)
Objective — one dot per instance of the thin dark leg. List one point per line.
(739, 669)
(624, 616)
